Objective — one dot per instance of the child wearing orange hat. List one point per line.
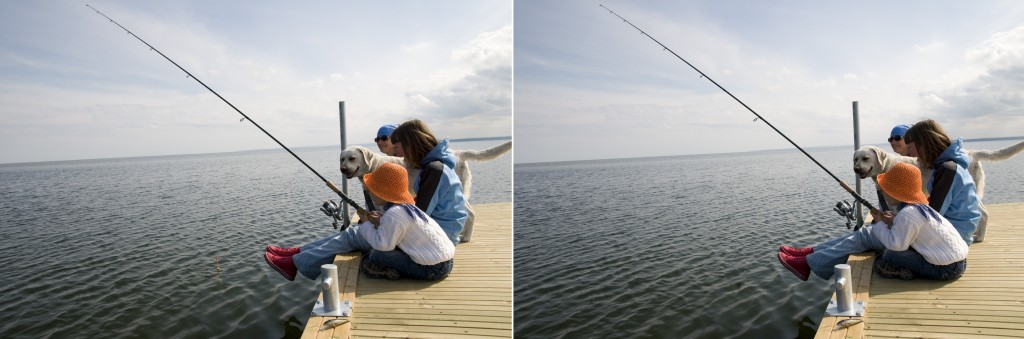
(920, 242)
(401, 244)
(406, 241)
(916, 242)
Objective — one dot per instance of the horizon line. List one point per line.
(739, 152)
(236, 151)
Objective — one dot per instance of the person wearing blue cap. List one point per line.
(383, 139)
(896, 140)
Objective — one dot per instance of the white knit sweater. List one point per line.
(932, 236)
(408, 228)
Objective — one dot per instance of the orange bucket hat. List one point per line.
(390, 182)
(903, 182)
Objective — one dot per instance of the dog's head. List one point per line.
(866, 161)
(354, 161)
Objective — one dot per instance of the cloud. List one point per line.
(72, 77)
(1003, 49)
(994, 88)
(479, 82)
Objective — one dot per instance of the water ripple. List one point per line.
(129, 247)
(677, 246)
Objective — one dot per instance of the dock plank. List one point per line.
(474, 301)
(860, 272)
(987, 301)
(348, 273)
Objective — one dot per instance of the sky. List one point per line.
(589, 86)
(75, 86)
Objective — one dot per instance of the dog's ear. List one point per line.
(879, 154)
(366, 153)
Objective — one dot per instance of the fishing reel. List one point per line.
(333, 211)
(847, 211)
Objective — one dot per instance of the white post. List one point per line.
(844, 288)
(329, 284)
(856, 146)
(344, 143)
(843, 304)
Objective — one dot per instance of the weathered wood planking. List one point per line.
(348, 273)
(860, 271)
(475, 300)
(987, 301)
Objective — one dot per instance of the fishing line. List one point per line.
(759, 117)
(244, 117)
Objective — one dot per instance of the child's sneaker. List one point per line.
(282, 264)
(800, 252)
(281, 251)
(890, 271)
(796, 264)
(376, 271)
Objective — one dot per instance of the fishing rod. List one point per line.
(244, 117)
(759, 117)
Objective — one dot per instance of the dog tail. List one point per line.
(998, 155)
(487, 154)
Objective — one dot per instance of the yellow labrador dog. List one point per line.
(357, 161)
(870, 161)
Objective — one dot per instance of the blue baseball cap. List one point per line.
(385, 131)
(899, 130)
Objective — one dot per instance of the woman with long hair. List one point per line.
(951, 187)
(438, 189)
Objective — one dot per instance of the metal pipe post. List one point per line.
(856, 146)
(844, 288)
(843, 304)
(344, 183)
(331, 292)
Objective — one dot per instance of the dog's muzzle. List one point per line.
(348, 174)
(860, 174)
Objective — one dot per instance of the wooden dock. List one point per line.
(987, 301)
(475, 300)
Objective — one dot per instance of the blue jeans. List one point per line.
(405, 266)
(918, 266)
(836, 251)
(322, 251)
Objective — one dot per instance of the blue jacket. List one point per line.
(959, 204)
(447, 205)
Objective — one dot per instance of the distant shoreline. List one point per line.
(481, 139)
(884, 145)
(229, 152)
(994, 139)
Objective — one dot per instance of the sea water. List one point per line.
(685, 246)
(171, 246)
